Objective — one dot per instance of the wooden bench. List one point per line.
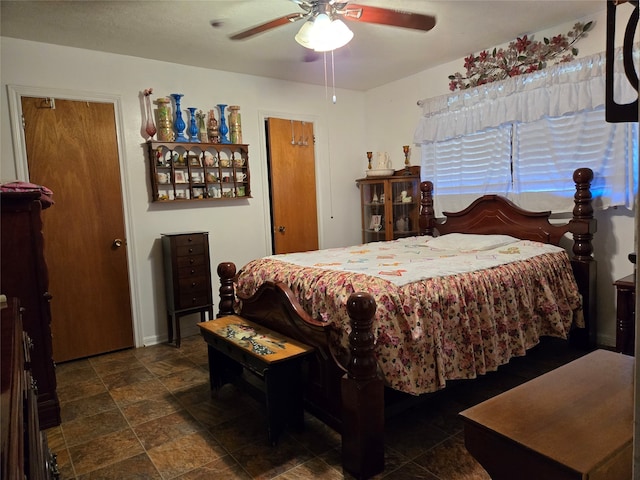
(575, 422)
(236, 344)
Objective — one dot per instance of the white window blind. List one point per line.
(464, 167)
(533, 163)
(547, 151)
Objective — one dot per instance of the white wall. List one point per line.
(239, 230)
(392, 115)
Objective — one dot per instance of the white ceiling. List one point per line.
(179, 31)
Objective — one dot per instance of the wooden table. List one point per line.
(575, 422)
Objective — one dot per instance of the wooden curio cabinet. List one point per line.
(390, 205)
(198, 171)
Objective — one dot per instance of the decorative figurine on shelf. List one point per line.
(235, 127)
(178, 159)
(159, 157)
(193, 126)
(209, 160)
(202, 129)
(179, 124)
(165, 131)
(223, 125)
(407, 150)
(150, 128)
(369, 155)
(212, 128)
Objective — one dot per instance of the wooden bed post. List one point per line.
(427, 218)
(583, 226)
(227, 273)
(362, 395)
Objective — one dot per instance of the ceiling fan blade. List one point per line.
(387, 16)
(293, 17)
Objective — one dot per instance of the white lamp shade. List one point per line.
(303, 37)
(335, 36)
(323, 34)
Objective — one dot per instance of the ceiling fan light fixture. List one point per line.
(335, 35)
(323, 34)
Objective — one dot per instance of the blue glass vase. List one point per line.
(223, 124)
(193, 126)
(179, 124)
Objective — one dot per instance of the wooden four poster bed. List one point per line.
(360, 363)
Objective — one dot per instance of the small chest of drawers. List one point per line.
(187, 278)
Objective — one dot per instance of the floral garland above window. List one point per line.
(523, 55)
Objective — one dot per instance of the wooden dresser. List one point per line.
(24, 275)
(187, 278)
(25, 454)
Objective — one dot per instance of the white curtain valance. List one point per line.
(555, 91)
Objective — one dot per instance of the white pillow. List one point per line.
(470, 242)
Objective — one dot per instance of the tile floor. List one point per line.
(148, 413)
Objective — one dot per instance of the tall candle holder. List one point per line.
(193, 125)
(406, 149)
(179, 124)
(223, 124)
(369, 155)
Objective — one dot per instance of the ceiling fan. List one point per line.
(335, 10)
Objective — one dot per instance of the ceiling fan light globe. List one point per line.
(303, 37)
(336, 36)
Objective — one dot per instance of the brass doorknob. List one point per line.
(281, 229)
(117, 243)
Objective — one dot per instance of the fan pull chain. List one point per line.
(334, 99)
(326, 87)
(333, 78)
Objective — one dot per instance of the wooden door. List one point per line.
(292, 182)
(72, 149)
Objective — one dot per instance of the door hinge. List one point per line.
(24, 125)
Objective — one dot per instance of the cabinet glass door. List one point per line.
(405, 207)
(373, 216)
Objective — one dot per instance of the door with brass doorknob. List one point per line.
(292, 184)
(91, 306)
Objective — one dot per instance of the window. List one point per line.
(532, 163)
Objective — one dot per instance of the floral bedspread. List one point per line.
(441, 326)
